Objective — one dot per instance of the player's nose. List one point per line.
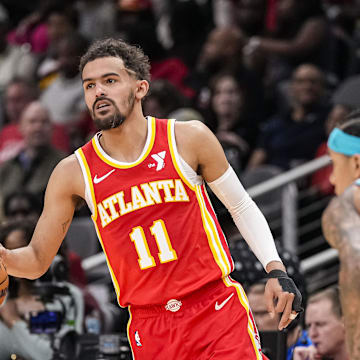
(100, 91)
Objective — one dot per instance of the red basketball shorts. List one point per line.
(214, 322)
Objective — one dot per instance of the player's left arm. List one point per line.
(200, 148)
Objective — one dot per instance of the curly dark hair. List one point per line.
(133, 57)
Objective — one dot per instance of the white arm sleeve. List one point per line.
(247, 216)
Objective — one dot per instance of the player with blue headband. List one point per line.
(341, 222)
(344, 149)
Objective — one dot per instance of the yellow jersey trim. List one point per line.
(94, 217)
(214, 240)
(128, 331)
(113, 277)
(245, 303)
(117, 164)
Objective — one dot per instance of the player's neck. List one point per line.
(126, 142)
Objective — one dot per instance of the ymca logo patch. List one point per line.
(160, 160)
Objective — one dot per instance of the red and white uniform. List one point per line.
(157, 228)
(158, 231)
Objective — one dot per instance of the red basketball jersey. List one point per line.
(158, 230)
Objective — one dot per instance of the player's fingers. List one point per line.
(280, 306)
(269, 298)
(285, 318)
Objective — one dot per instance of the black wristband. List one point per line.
(288, 285)
(275, 274)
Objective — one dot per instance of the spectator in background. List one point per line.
(64, 97)
(233, 125)
(281, 141)
(14, 60)
(221, 52)
(31, 168)
(18, 95)
(163, 98)
(320, 179)
(34, 29)
(16, 337)
(296, 336)
(61, 20)
(324, 321)
(96, 18)
(13, 100)
(21, 205)
(189, 27)
(250, 16)
(302, 35)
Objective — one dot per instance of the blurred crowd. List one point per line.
(271, 78)
(267, 76)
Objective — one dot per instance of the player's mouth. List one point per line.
(102, 105)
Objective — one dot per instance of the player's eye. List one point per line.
(110, 81)
(89, 86)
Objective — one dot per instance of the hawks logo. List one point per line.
(173, 305)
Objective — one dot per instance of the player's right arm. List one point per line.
(64, 189)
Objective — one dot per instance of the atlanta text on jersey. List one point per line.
(147, 194)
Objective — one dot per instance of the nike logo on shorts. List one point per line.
(220, 306)
(100, 179)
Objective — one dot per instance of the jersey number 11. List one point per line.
(166, 251)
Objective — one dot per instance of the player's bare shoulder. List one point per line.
(190, 133)
(341, 219)
(200, 148)
(67, 176)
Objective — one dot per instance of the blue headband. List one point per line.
(343, 143)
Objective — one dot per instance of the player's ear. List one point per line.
(142, 89)
(356, 164)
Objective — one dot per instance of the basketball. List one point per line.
(4, 283)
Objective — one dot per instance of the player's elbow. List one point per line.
(38, 267)
(36, 272)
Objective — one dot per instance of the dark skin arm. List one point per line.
(341, 224)
(307, 39)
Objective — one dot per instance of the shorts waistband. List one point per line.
(179, 304)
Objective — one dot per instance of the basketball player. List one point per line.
(341, 222)
(143, 179)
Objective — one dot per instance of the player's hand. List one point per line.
(282, 296)
(306, 353)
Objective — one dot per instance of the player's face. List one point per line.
(15, 240)
(109, 91)
(227, 98)
(262, 317)
(325, 329)
(342, 174)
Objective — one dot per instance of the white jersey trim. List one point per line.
(87, 195)
(187, 171)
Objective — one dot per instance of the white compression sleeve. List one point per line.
(247, 216)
